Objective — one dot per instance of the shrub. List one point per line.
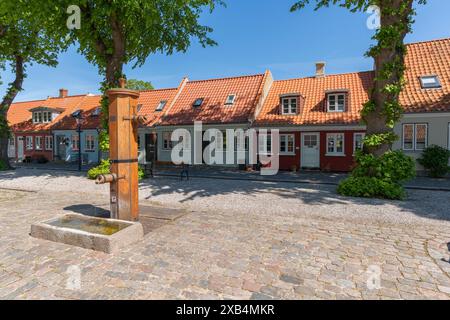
(105, 168)
(379, 177)
(393, 166)
(435, 160)
(41, 160)
(3, 166)
(370, 187)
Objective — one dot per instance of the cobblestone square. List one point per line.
(237, 240)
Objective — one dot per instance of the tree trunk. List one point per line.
(13, 90)
(376, 119)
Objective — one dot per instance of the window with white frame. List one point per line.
(430, 82)
(167, 141)
(335, 144)
(12, 142)
(287, 144)
(42, 117)
(161, 105)
(230, 99)
(265, 144)
(289, 105)
(90, 143)
(415, 136)
(75, 142)
(48, 143)
(29, 143)
(38, 143)
(358, 141)
(336, 102)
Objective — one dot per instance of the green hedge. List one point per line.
(379, 177)
(435, 160)
(104, 168)
(370, 187)
(3, 166)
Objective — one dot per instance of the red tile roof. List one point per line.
(213, 109)
(151, 99)
(20, 115)
(87, 106)
(313, 108)
(422, 59)
(427, 59)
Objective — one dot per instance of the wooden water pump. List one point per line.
(123, 136)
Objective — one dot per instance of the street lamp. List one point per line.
(79, 119)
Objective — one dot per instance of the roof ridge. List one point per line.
(163, 89)
(229, 78)
(428, 41)
(328, 75)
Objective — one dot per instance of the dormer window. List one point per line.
(42, 117)
(336, 102)
(289, 105)
(430, 82)
(230, 99)
(161, 105)
(198, 103)
(139, 107)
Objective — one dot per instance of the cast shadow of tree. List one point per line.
(420, 203)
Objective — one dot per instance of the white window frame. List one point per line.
(363, 135)
(437, 83)
(89, 142)
(265, 144)
(48, 143)
(35, 117)
(286, 151)
(29, 143)
(75, 142)
(230, 102)
(414, 137)
(162, 104)
(290, 101)
(39, 145)
(167, 143)
(335, 153)
(336, 105)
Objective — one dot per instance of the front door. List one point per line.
(20, 148)
(151, 148)
(61, 148)
(310, 150)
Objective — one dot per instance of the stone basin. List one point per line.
(105, 235)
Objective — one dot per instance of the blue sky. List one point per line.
(253, 35)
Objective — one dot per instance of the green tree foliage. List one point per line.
(119, 32)
(383, 109)
(24, 39)
(139, 85)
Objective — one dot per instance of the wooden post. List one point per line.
(123, 135)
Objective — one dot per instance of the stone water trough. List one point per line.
(105, 235)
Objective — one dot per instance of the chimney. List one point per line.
(320, 69)
(63, 93)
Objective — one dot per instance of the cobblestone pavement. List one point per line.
(231, 245)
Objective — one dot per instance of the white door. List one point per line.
(310, 150)
(20, 148)
(11, 147)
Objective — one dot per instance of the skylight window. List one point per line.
(161, 105)
(430, 82)
(139, 107)
(198, 103)
(230, 99)
(96, 112)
